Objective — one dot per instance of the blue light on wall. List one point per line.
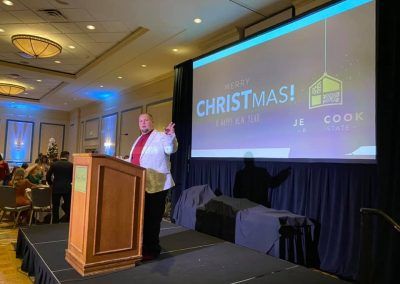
(108, 134)
(101, 94)
(21, 106)
(19, 137)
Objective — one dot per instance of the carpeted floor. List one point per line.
(10, 272)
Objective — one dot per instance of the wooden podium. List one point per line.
(106, 221)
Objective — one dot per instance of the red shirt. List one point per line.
(4, 170)
(137, 151)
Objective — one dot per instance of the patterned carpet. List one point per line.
(10, 272)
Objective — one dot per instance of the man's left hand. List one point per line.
(170, 129)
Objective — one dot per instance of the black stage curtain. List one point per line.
(182, 117)
(329, 194)
(387, 247)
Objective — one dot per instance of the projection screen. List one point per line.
(302, 90)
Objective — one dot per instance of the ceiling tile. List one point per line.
(75, 57)
(97, 48)
(43, 28)
(67, 27)
(115, 27)
(80, 38)
(107, 37)
(7, 18)
(77, 15)
(39, 4)
(99, 27)
(27, 16)
(17, 6)
(60, 38)
(11, 29)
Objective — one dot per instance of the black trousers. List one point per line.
(154, 207)
(56, 197)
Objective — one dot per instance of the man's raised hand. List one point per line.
(170, 129)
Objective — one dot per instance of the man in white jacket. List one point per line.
(152, 151)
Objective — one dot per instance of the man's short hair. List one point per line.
(64, 154)
(148, 114)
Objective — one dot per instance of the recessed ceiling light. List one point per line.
(2, 31)
(38, 80)
(144, 65)
(175, 50)
(119, 77)
(90, 27)
(197, 20)
(8, 2)
(57, 61)
(71, 46)
(26, 93)
(101, 86)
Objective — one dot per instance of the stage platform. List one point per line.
(187, 257)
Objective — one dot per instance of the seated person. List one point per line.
(34, 174)
(24, 166)
(20, 184)
(4, 170)
(44, 164)
(38, 158)
(8, 178)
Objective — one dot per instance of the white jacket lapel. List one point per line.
(148, 143)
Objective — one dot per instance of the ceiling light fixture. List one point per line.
(8, 2)
(39, 80)
(11, 89)
(36, 46)
(101, 86)
(144, 65)
(57, 61)
(90, 27)
(119, 77)
(71, 46)
(2, 30)
(197, 20)
(175, 50)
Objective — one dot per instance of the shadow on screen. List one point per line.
(252, 182)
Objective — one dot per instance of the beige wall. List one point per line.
(38, 116)
(158, 90)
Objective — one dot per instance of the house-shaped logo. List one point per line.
(326, 91)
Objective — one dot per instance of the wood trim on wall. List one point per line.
(40, 134)
(85, 129)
